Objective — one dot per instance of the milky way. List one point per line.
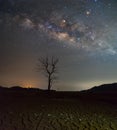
(82, 25)
(82, 33)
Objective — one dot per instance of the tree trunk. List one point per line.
(49, 83)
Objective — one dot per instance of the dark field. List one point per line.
(82, 112)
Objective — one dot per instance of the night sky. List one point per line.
(81, 33)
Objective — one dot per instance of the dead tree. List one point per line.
(49, 66)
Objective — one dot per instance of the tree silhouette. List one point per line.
(49, 66)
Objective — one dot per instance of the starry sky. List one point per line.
(81, 33)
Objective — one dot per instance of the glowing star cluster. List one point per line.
(79, 34)
(79, 26)
(74, 32)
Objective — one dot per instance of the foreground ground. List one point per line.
(34, 113)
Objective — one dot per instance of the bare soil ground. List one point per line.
(34, 113)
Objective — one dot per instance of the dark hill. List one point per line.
(104, 93)
(105, 88)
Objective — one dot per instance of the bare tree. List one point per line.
(49, 66)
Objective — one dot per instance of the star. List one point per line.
(88, 13)
(95, 0)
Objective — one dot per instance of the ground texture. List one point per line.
(56, 114)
